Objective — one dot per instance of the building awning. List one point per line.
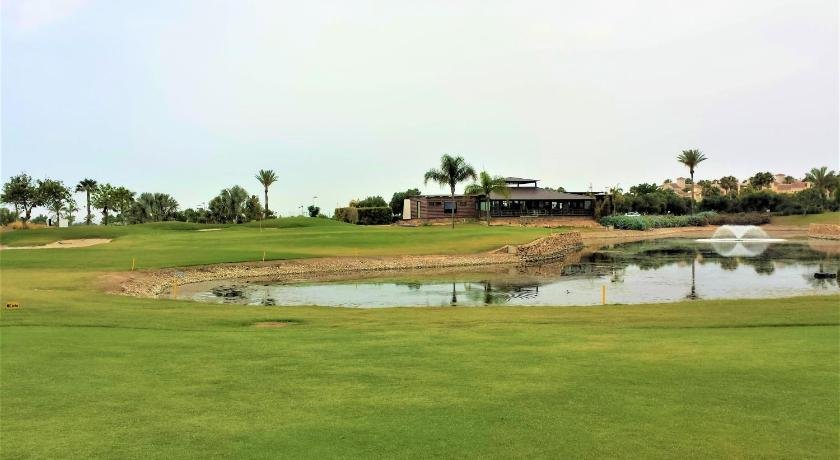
(537, 193)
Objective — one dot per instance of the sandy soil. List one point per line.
(63, 244)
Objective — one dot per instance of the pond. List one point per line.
(642, 272)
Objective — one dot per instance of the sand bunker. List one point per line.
(63, 244)
(208, 229)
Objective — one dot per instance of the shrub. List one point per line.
(648, 222)
(371, 202)
(625, 222)
(349, 215)
(743, 218)
(380, 215)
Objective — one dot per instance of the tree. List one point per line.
(370, 202)
(616, 197)
(229, 205)
(452, 171)
(55, 197)
(643, 189)
(314, 211)
(485, 186)
(691, 158)
(87, 186)
(21, 192)
(153, 207)
(266, 177)
(6, 216)
(708, 188)
(729, 184)
(110, 198)
(761, 180)
(252, 209)
(398, 199)
(822, 179)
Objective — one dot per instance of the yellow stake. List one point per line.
(604, 294)
(175, 291)
(132, 264)
(263, 255)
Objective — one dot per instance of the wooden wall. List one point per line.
(432, 208)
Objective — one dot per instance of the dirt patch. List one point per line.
(63, 244)
(272, 324)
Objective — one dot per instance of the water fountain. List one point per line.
(740, 240)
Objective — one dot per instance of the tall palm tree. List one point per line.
(486, 185)
(822, 179)
(691, 158)
(453, 170)
(88, 186)
(266, 177)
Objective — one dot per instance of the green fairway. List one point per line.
(84, 374)
(824, 218)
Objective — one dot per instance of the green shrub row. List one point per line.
(377, 215)
(349, 215)
(380, 215)
(694, 220)
(741, 218)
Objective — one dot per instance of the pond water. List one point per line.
(641, 272)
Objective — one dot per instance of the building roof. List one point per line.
(520, 180)
(537, 193)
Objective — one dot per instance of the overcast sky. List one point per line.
(346, 99)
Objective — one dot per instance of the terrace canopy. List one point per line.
(536, 201)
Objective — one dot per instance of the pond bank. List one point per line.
(556, 247)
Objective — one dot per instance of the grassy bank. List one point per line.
(90, 375)
(824, 218)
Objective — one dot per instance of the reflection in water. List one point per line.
(649, 271)
(739, 248)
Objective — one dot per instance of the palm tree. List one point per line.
(691, 158)
(266, 177)
(453, 170)
(822, 179)
(729, 183)
(486, 185)
(615, 195)
(88, 186)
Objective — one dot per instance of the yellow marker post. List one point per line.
(175, 291)
(132, 264)
(604, 294)
(263, 255)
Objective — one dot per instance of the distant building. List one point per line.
(525, 199)
(681, 188)
(779, 185)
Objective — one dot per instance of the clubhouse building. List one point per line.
(525, 199)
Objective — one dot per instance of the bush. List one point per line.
(743, 218)
(380, 215)
(625, 222)
(648, 222)
(349, 215)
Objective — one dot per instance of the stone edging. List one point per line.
(154, 283)
(824, 231)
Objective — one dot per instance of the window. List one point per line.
(449, 207)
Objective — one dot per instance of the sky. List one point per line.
(350, 99)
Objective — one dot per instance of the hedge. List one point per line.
(350, 215)
(694, 220)
(380, 215)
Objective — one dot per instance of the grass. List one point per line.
(824, 218)
(90, 375)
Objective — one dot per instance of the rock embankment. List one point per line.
(824, 231)
(554, 246)
(153, 283)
